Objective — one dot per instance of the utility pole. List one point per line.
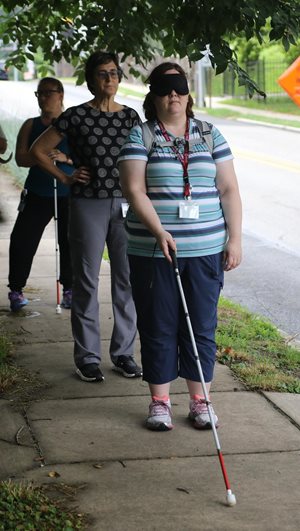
(200, 84)
(200, 74)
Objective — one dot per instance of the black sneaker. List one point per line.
(90, 373)
(127, 366)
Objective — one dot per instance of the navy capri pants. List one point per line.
(166, 348)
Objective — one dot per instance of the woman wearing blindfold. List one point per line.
(182, 198)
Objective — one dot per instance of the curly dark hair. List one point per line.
(149, 102)
(99, 58)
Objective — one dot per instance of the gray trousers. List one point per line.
(94, 222)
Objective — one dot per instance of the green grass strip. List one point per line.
(231, 113)
(24, 507)
(256, 351)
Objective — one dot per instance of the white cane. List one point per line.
(230, 497)
(58, 306)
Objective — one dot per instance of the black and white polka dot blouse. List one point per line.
(95, 139)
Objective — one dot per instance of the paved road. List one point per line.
(267, 163)
(268, 283)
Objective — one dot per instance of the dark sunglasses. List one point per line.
(107, 74)
(46, 93)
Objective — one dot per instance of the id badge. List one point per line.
(124, 207)
(188, 210)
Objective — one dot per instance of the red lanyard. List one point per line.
(182, 157)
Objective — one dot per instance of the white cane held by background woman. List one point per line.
(58, 306)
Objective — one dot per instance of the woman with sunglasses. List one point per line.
(183, 198)
(96, 131)
(36, 207)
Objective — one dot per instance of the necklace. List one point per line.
(182, 157)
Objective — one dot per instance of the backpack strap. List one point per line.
(149, 137)
(205, 132)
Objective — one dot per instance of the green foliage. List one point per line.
(232, 114)
(135, 28)
(255, 48)
(282, 104)
(293, 53)
(247, 50)
(23, 507)
(11, 125)
(5, 349)
(255, 350)
(5, 346)
(274, 53)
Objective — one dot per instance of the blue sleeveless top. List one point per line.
(40, 182)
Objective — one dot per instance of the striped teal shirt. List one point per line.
(202, 236)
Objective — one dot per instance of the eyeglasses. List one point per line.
(46, 93)
(106, 74)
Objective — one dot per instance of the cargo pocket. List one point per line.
(216, 267)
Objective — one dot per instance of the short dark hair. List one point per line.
(149, 102)
(58, 84)
(99, 58)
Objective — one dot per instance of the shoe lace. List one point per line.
(159, 408)
(199, 407)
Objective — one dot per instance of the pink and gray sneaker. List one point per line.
(199, 415)
(159, 418)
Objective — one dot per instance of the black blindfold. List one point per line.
(164, 85)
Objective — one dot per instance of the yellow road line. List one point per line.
(270, 161)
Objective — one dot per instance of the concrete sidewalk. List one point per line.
(125, 477)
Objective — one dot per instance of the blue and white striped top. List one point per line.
(203, 236)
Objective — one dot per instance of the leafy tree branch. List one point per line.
(71, 30)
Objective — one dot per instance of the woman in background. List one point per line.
(36, 207)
